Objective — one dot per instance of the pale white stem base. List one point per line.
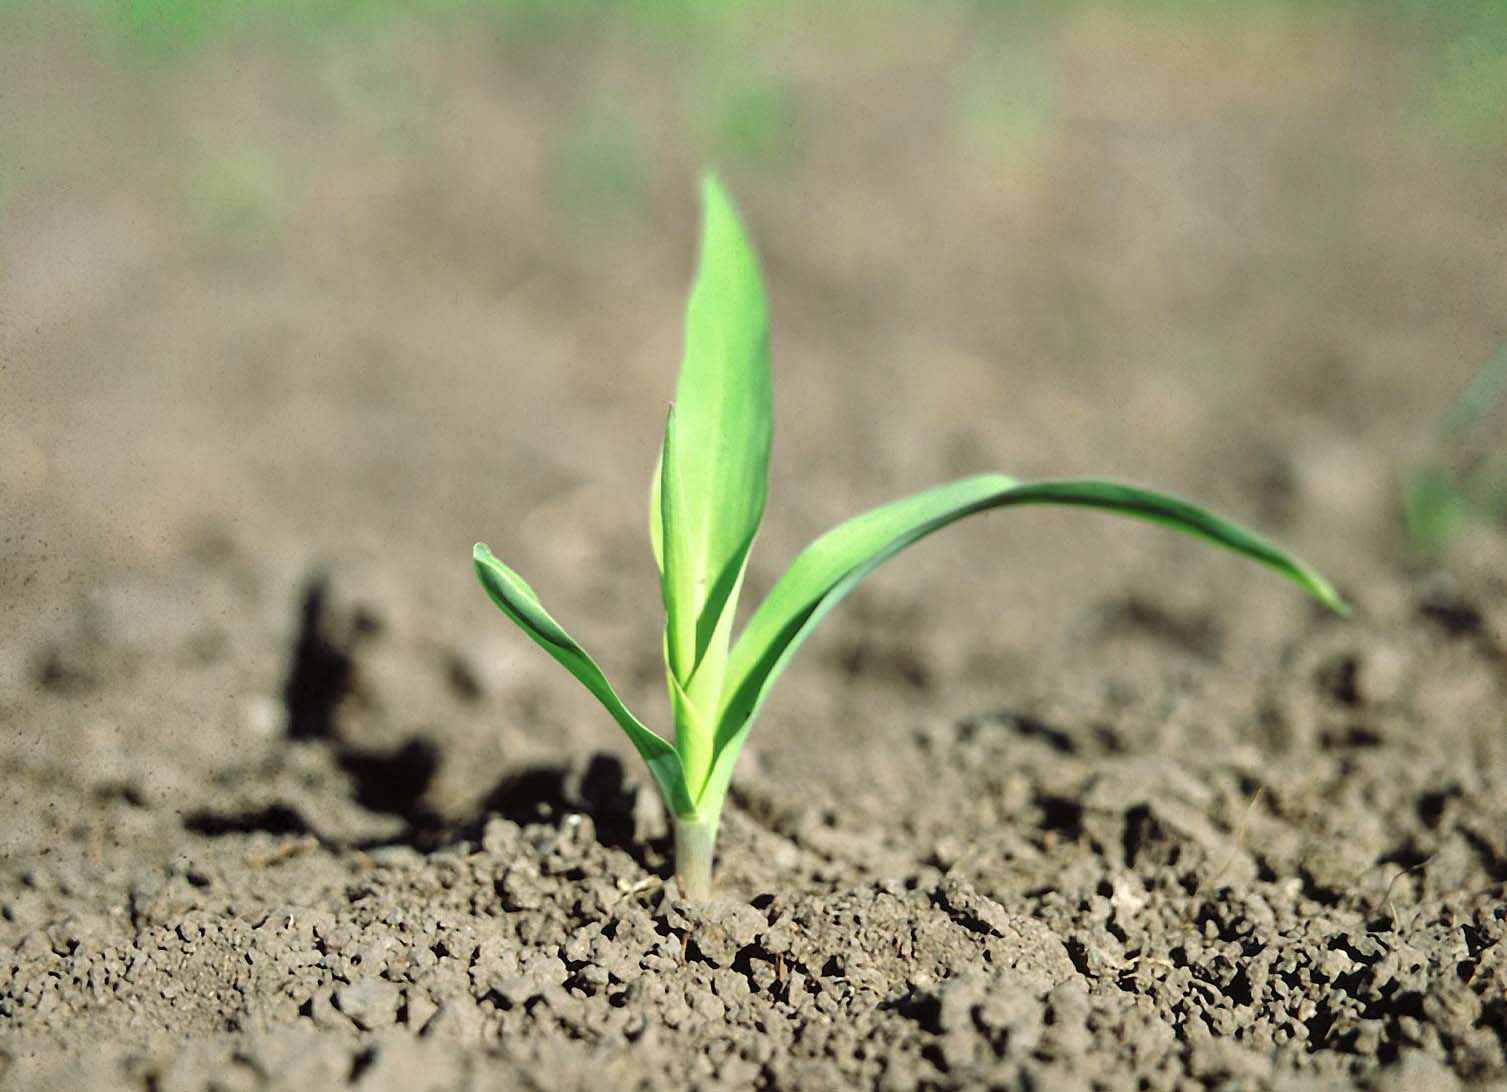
(695, 841)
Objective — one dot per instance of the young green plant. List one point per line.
(707, 500)
(1464, 479)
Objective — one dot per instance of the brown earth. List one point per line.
(1054, 802)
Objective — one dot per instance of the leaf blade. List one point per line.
(513, 596)
(716, 453)
(674, 549)
(656, 516)
(832, 565)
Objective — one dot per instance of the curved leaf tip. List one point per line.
(511, 593)
(832, 565)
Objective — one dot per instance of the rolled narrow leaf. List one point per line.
(517, 600)
(673, 549)
(656, 516)
(834, 564)
(693, 734)
(716, 454)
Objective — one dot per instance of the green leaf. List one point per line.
(674, 553)
(832, 565)
(1482, 396)
(656, 516)
(716, 454)
(1434, 507)
(517, 600)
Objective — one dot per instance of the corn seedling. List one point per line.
(1464, 480)
(707, 499)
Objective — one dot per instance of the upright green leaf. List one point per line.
(693, 734)
(716, 455)
(834, 564)
(517, 600)
(672, 549)
(656, 515)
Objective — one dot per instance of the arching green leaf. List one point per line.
(517, 600)
(832, 565)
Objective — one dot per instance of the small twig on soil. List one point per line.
(634, 888)
(1239, 838)
(1213, 991)
(284, 852)
(1396, 924)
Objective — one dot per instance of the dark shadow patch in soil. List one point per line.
(600, 789)
(1431, 805)
(65, 672)
(1407, 855)
(1022, 724)
(362, 1061)
(1339, 680)
(892, 663)
(924, 1009)
(322, 673)
(1444, 604)
(1494, 1016)
(1141, 829)
(123, 791)
(1321, 893)
(393, 782)
(1494, 862)
(323, 667)
(1350, 737)
(1197, 633)
(1061, 816)
(276, 819)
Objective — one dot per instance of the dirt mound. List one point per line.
(1053, 803)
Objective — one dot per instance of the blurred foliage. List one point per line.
(746, 109)
(239, 197)
(1464, 480)
(598, 168)
(1469, 90)
(1008, 89)
(164, 28)
(371, 79)
(1476, 30)
(750, 119)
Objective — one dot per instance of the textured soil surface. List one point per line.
(1055, 802)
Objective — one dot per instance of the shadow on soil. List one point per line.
(323, 673)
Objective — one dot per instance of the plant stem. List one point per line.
(695, 841)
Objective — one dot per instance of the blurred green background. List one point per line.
(329, 255)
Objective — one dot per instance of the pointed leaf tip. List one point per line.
(832, 565)
(712, 188)
(714, 465)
